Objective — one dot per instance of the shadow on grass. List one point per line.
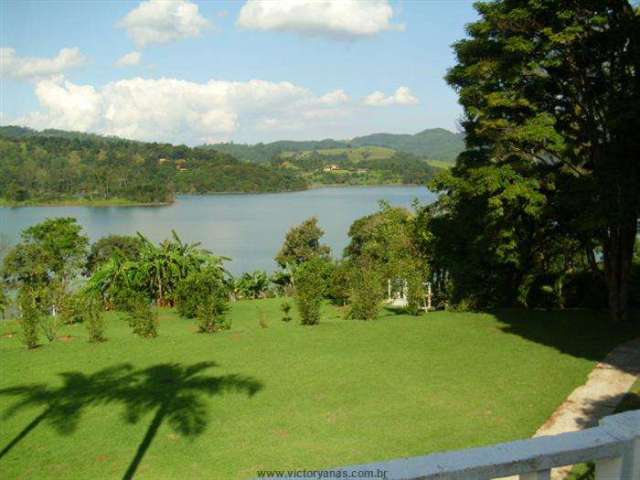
(579, 333)
(173, 391)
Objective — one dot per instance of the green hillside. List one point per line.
(264, 152)
(356, 154)
(433, 144)
(368, 165)
(57, 167)
(436, 144)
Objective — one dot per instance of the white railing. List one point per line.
(614, 446)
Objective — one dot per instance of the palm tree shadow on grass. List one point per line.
(174, 391)
(63, 406)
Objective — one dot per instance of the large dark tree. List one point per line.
(551, 94)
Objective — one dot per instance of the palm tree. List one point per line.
(157, 271)
(115, 275)
(162, 267)
(254, 284)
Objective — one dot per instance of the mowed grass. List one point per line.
(189, 405)
(441, 164)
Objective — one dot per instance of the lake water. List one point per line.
(249, 229)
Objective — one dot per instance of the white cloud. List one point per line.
(402, 96)
(335, 98)
(344, 19)
(11, 65)
(180, 111)
(66, 105)
(162, 21)
(129, 59)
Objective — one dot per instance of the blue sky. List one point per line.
(208, 71)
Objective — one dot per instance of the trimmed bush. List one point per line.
(93, 318)
(197, 288)
(367, 293)
(49, 326)
(210, 314)
(143, 319)
(416, 292)
(71, 309)
(310, 281)
(29, 319)
(285, 308)
(340, 283)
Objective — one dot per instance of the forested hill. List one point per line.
(431, 144)
(55, 166)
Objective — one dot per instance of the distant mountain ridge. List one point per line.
(432, 144)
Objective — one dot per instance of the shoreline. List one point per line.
(124, 203)
(83, 203)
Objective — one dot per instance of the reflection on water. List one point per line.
(248, 228)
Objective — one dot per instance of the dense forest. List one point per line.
(54, 166)
(432, 144)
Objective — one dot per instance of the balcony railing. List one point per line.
(614, 446)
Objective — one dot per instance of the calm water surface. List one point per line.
(248, 228)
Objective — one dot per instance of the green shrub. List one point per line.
(367, 293)
(310, 281)
(197, 288)
(416, 292)
(49, 326)
(124, 299)
(93, 317)
(4, 301)
(29, 320)
(143, 319)
(71, 309)
(285, 308)
(281, 281)
(210, 314)
(340, 283)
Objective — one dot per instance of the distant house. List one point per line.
(181, 165)
(162, 160)
(331, 168)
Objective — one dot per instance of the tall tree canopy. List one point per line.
(51, 251)
(302, 243)
(551, 95)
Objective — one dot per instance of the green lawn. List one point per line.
(441, 164)
(188, 405)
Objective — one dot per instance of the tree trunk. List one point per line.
(618, 258)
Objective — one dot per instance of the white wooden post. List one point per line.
(621, 468)
(389, 289)
(609, 469)
(625, 426)
(428, 296)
